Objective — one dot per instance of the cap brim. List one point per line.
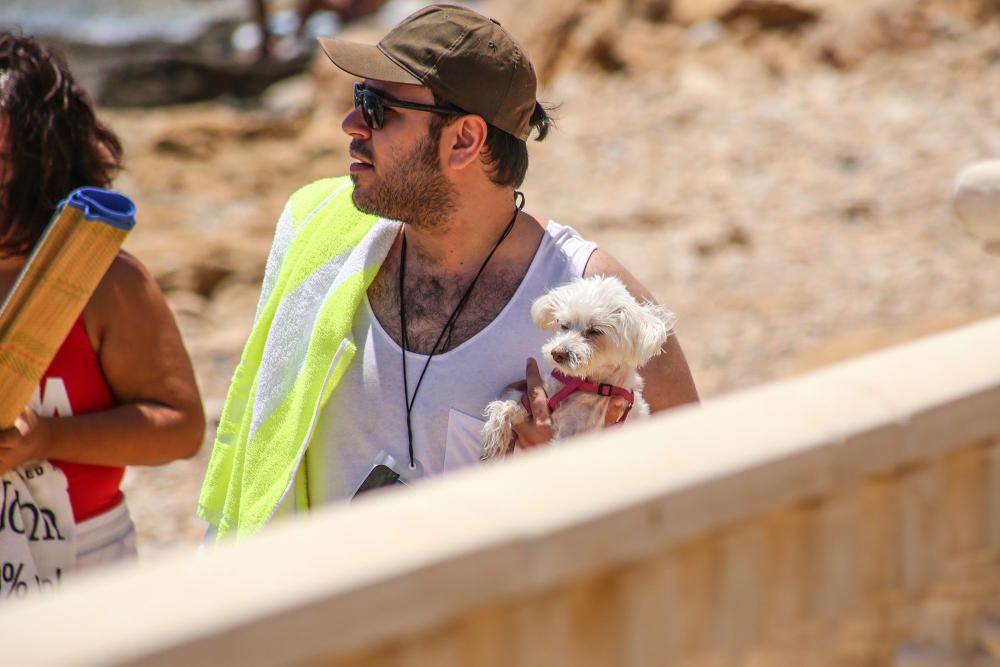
(365, 61)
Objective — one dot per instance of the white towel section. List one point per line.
(37, 533)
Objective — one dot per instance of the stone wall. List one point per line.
(900, 570)
(849, 517)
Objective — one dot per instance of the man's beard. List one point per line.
(414, 191)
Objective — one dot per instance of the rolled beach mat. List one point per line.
(976, 200)
(56, 282)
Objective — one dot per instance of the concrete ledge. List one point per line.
(354, 577)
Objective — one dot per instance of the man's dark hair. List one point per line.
(56, 142)
(505, 154)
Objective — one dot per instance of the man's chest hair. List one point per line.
(430, 301)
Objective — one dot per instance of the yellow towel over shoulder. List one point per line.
(325, 255)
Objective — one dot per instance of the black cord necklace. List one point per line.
(448, 327)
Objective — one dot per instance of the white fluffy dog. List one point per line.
(602, 335)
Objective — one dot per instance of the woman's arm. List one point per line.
(159, 416)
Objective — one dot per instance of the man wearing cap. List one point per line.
(378, 343)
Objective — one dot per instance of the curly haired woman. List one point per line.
(121, 390)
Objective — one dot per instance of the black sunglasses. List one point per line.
(373, 106)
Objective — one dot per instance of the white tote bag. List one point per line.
(36, 530)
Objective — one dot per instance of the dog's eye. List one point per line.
(592, 332)
(564, 327)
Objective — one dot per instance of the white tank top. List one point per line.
(366, 418)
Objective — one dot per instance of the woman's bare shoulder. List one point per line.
(127, 292)
(126, 279)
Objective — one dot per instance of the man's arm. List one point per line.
(668, 381)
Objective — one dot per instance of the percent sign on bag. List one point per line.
(61, 274)
(11, 584)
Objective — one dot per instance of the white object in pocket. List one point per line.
(464, 443)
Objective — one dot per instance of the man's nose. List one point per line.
(354, 124)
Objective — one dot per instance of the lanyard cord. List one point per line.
(448, 326)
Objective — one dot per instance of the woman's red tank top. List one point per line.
(73, 385)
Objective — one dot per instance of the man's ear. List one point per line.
(468, 136)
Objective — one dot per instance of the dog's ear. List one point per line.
(543, 311)
(646, 327)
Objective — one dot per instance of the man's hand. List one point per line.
(538, 429)
(616, 409)
(25, 442)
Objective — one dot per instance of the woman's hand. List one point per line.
(26, 441)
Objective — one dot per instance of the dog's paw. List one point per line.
(498, 432)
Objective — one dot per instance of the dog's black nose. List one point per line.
(560, 355)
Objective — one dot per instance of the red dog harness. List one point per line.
(572, 384)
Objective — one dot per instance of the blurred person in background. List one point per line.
(378, 343)
(346, 10)
(121, 390)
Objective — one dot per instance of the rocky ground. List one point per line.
(782, 184)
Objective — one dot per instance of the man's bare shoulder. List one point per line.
(603, 264)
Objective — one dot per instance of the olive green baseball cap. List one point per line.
(468, 59)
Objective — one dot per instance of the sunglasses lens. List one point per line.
(374, 106)
(371, 106)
